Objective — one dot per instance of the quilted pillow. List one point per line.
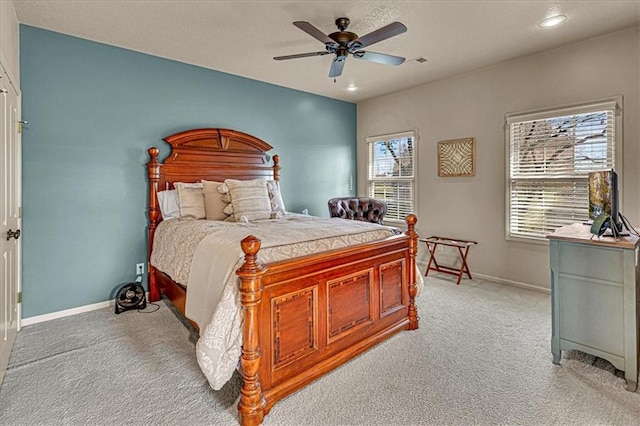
(250, 199)
(213, 203)
(277, 203)
(191, 199)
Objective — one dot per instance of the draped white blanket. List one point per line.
(206, 254)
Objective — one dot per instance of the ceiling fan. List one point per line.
(343, 42)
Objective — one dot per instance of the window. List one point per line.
(392, 176)
(550, 155)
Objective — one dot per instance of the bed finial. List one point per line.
(276, 167)
(413, 252)
(252, 403)
(153, 152)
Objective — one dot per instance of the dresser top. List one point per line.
(580, 233)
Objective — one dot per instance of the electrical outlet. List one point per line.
(139, 268)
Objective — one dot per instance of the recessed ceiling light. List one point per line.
(552, 21)
(352, 88)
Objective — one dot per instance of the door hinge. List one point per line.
(20, 297)
(19, 212)
(20, 124)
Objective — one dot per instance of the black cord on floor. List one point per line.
(150, 312)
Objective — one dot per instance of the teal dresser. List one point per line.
(594, 297)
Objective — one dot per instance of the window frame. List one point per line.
(613, 103)
(370, 140)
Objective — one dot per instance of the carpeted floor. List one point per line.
(481, 356)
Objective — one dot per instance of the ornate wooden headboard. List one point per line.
(210, 154)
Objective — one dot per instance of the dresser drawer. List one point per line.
(600, 263)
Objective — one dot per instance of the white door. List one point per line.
(10, 186)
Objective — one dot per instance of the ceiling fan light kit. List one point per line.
(343, 43)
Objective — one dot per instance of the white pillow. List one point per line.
(250, 199)
(191, 199)
(277, 203)
(168, 203)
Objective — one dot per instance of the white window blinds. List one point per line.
(392, 173)
(550, 156)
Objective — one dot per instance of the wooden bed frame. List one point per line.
(303, 317)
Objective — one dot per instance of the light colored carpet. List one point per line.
(481, 356)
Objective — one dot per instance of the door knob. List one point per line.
(13, 234)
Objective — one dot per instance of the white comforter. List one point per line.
(206, 254)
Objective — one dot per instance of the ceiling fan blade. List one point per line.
(388, 31)
(336, 66)
(314, 32)
(381, 58)
(301, 55)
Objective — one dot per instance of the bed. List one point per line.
(302, 316)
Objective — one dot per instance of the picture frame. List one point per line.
(457, 157)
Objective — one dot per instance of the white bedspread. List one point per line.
(206, 254)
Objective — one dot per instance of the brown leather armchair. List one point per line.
(358, 208)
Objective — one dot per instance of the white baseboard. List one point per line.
(66, 313)
(512, 283)
(70, 312)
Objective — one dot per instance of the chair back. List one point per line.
(358, 208)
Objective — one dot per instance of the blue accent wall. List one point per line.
(93, 112)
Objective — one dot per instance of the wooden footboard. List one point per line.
(304, 317)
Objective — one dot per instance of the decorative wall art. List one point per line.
(457, 157)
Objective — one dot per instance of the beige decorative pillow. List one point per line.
(250, 199)
(191, 199)
(213, 203)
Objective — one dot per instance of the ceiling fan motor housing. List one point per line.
(343, 37)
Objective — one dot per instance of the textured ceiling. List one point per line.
(242, 37)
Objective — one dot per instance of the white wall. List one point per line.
(475, 104)
(10, 41)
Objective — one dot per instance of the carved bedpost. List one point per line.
(413, 252)
(276, 167)
(252, 404)
(153, 171)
